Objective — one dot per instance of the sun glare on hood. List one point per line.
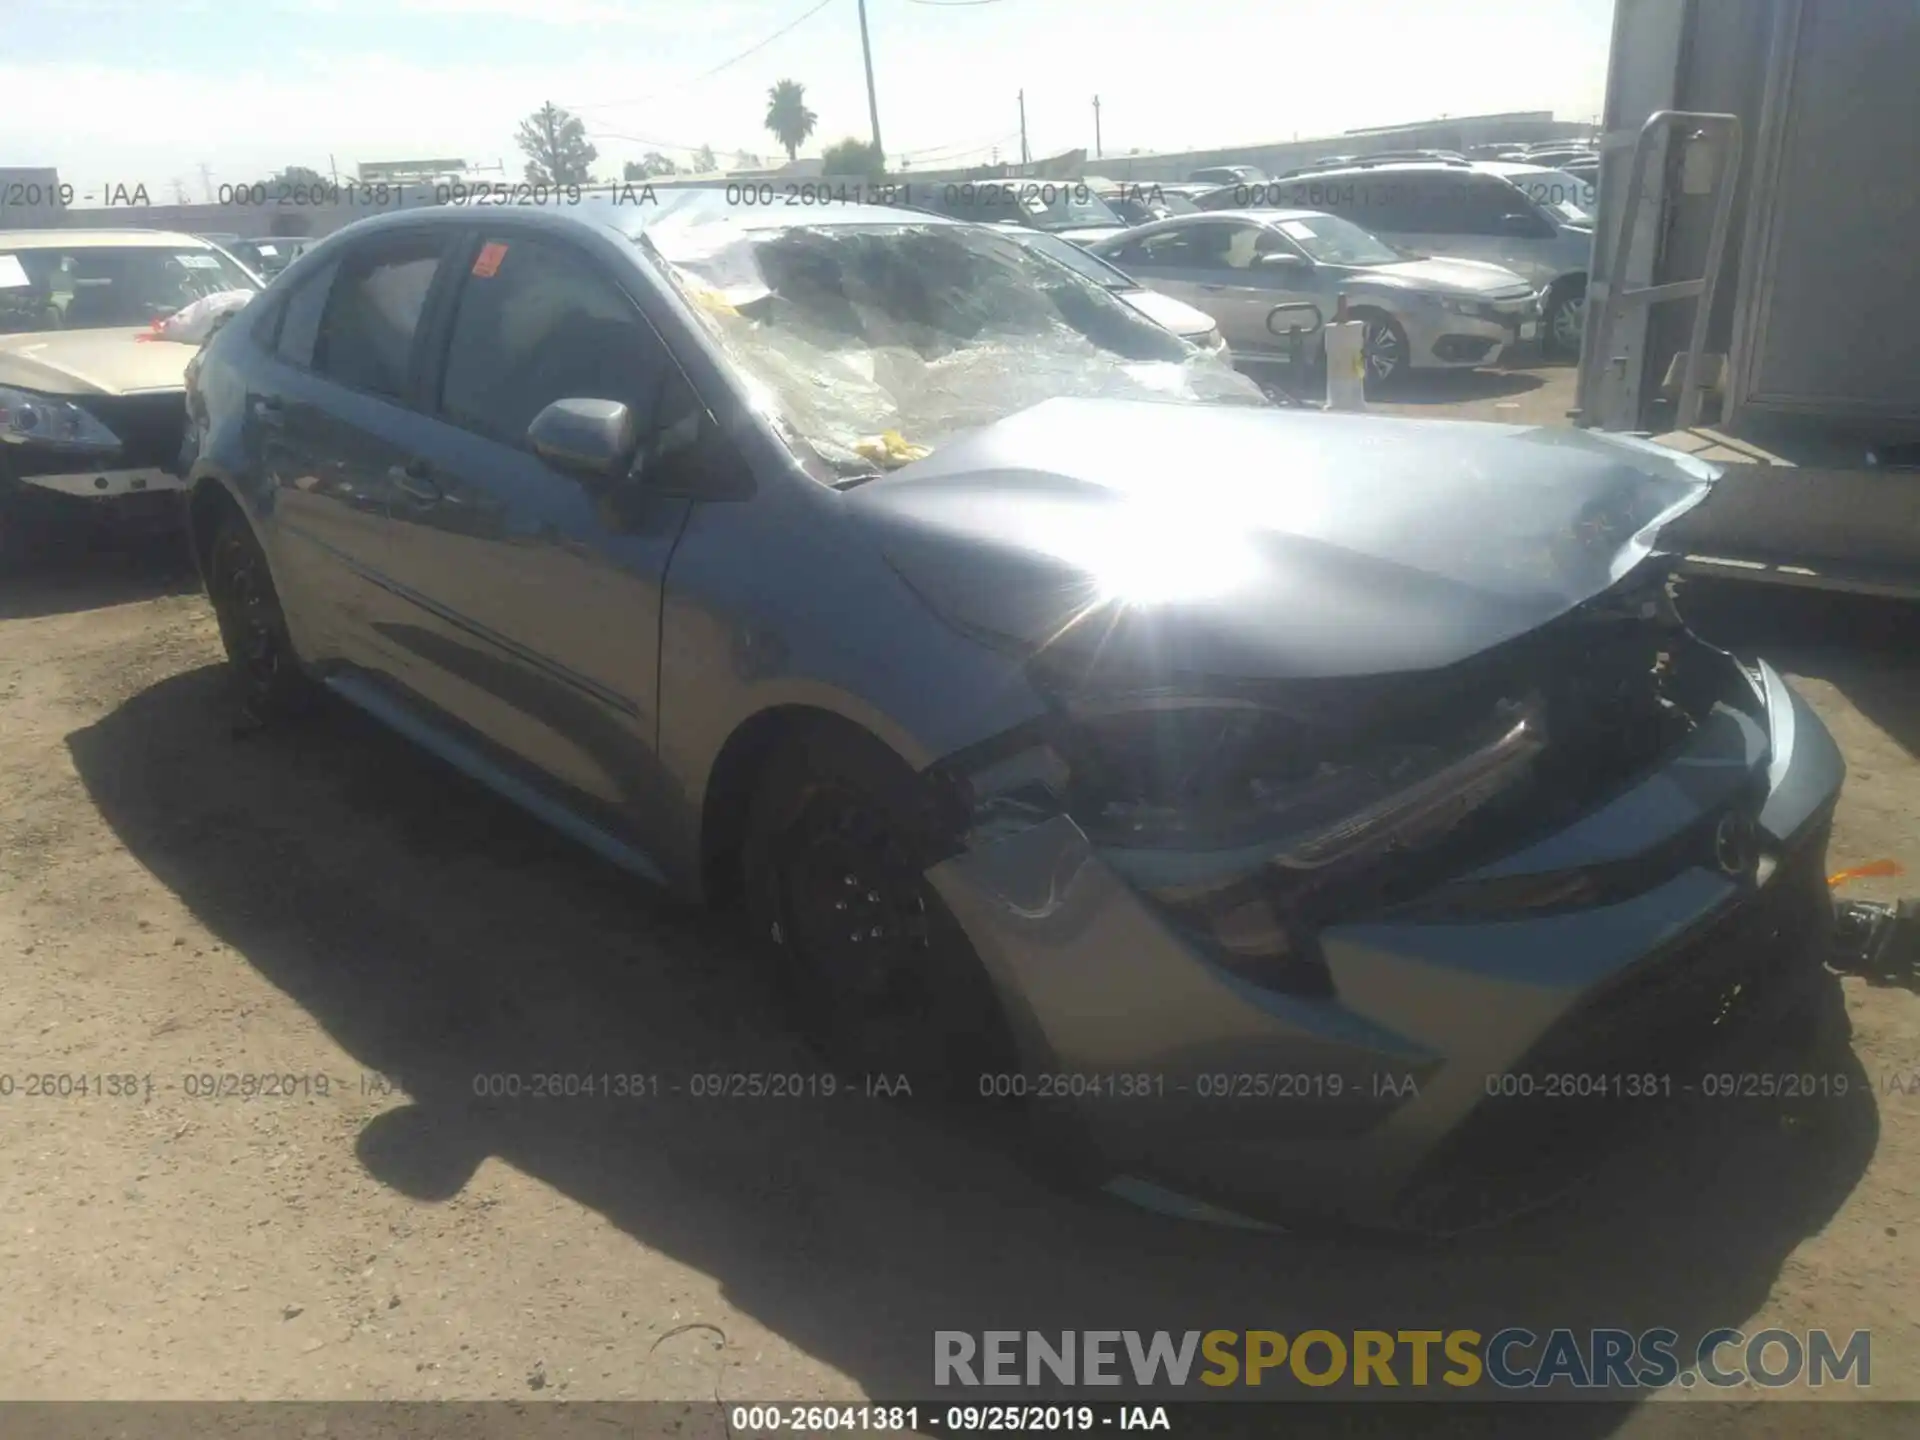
(1146, 555)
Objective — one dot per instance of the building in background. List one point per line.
(31, 197)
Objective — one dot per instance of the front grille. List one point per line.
(1671, 1016)
(151, 426)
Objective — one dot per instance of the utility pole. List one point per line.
(873, 103)
(333, 170)
(1025, 159)
(206, 182)
(1096, 127)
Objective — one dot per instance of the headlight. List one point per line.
(1454, 305)
(1242, 822)
(1196, 777)
(58, 424)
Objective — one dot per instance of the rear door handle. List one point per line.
(415, 480)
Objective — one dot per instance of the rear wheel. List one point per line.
(878, 974)
(253, 628)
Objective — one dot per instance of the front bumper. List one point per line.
(1440, 338)
(1413, 1096)
(106, 484)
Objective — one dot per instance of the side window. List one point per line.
(1242, 243)
(366, 332)
(300, 318)
(1214, 245)
(1486, 201)
(537, 322)
(1432, 205)
(1170, 249)
(1382, 203)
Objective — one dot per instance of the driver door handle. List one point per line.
(415, 480)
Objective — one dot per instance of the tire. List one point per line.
(879, 976)
(1384, 350)
(271, 685)
(1564, 320)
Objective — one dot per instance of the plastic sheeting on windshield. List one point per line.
(872, 343)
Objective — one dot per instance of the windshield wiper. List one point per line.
(848, 482)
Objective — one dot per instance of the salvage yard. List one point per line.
(252, 986)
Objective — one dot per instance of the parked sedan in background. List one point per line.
(270, 256)
(92, 409)
(1196, 327)
(1140, 202)
(1238, 266)
(1067, 208)
(1458, 209)
(1228, 175)
(1049, 703)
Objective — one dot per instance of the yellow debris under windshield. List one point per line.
(890, 450)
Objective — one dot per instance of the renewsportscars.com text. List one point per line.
(1508, 1359)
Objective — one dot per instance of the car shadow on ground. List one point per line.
(437, 935)
(1452, 387)
(97, 576)
(1866, 648)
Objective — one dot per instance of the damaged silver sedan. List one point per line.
(1319, 814)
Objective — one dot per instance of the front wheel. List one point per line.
(1384, 352)
(877, 972)
(1566, 319)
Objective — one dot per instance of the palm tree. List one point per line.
(787, 115)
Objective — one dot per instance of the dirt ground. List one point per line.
(323, 905)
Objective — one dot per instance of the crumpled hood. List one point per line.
(93, 362)
(1474, 277)
(1254, 543)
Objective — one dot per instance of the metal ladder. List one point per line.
(1612, 305)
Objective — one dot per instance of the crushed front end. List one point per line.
(1398, 949)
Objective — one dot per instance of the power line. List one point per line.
(952, 4)
(959, 148)
(708, 74)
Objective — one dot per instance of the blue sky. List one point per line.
(151, 90)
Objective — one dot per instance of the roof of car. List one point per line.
(1515, 167)
(1359, 167)
(630, 210)
(1258, 215)
(58, 239)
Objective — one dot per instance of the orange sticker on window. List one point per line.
(488, 261)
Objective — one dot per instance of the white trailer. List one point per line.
(1758, 170)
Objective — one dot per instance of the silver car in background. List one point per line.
(1258, 272)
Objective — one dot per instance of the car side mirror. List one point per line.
(1283, 264)
(588, 437)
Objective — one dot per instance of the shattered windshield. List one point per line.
(875, 342)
